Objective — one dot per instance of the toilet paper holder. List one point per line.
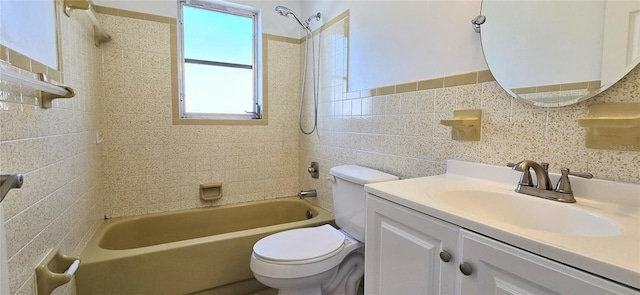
(55, 270)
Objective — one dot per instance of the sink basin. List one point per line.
(529, 212)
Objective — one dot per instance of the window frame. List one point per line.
(255, 115)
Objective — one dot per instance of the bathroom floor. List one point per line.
(266, 292)
(275, 292)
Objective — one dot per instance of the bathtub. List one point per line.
(196, 251)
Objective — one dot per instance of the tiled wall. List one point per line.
(151, 165)
(55, 149)
(396, 129)
(145, 164)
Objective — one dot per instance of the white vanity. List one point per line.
(468, 232)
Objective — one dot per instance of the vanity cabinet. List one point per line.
(403, 256)
(498, 268)
(402, 252)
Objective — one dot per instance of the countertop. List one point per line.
(615, 257)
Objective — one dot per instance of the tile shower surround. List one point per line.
(147, 165)
(151, 165)
(60, 203)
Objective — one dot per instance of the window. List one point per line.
(219, 61)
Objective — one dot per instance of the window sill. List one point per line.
(180, 121)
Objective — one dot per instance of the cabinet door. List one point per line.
(498, 268)
(403, 251)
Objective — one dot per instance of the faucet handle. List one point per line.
(525, 179)
(545, 165)
(564, 185)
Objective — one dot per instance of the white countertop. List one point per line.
(616, 257)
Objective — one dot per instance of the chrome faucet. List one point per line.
(8, 182)
(543, 189)
(307, 194)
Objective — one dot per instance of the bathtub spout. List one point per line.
(307, 194)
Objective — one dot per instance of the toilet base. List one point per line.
(347, 279)
(299, 286)
(341, 280)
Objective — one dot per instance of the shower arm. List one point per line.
(316, 16)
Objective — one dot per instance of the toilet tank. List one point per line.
(349, 197)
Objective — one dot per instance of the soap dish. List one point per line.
(211, 191)
(465, 124)
(613, 126)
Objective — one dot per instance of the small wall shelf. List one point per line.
(613, 126)
(465, 124)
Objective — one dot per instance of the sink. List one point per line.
(528, 212)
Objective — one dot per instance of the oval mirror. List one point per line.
(557, 53)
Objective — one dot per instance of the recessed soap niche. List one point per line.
(211, 191)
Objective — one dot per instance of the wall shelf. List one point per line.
(613, 126)
(465, 124)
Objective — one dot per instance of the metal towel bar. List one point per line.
(49, 91)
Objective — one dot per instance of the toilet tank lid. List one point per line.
(360, 175)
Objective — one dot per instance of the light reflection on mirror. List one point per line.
(556, 53)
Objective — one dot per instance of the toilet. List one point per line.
(321, 260)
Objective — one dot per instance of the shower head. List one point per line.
(284, 11)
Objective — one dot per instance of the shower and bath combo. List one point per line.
(284, 11)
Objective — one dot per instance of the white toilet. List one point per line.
(321, 260)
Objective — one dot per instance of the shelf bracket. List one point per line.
(48, 97)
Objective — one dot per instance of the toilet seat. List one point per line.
(272, 265)
(303, 245)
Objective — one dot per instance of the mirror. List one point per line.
(29, 27)
(557, 53)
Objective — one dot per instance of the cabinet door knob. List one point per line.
(466, 268)
(445, 256)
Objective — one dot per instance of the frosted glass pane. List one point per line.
(216, 36)
(29, 27)
(219, 90)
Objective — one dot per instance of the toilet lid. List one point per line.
(299, 244)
